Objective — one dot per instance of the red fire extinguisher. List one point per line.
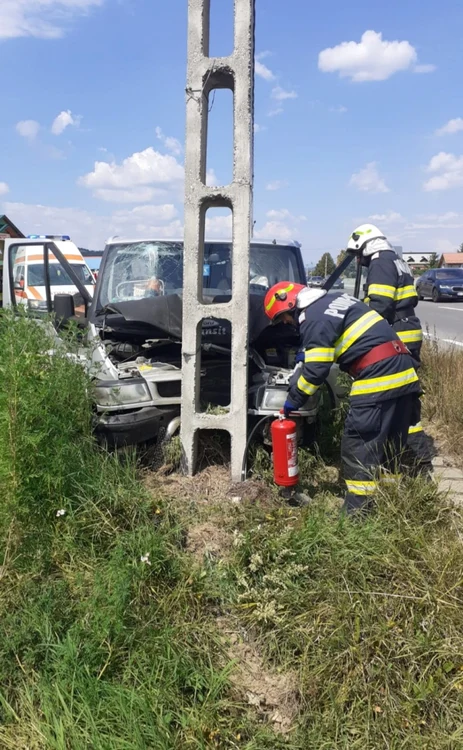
(284, 444)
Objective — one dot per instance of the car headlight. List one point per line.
(121, 394)
(37, 304)
(445, 286)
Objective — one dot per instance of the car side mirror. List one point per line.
(63, 306)
(19, 285)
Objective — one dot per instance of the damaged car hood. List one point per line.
(164, 314)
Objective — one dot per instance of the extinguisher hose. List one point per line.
(244, 468)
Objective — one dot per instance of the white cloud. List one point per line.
(280, 94)
(390, 218)
(339, 110)
(448, 172)
(211, 178)
(371, 59)
(4, 189)
(276, 185)
(28, 129)
(219, 227)
(91, 230)
(452, 126)
(279, 214)
(368, 180)
(170, 143)
(424, 68)
(275, 112)
(259, 128)
(147, 167)
(136, 195)
(274, 230)
(64, 120)
(263, 72)
(46, 19)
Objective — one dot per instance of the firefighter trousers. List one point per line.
(374, 438)
(420, 452)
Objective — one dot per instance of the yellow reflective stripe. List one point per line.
(382, 290)
(306, 387)
(366, 300)
(354, 332)
(273, 300)
(410, 337)
(357, 487)
(415, 428)
(320, 354)
(384, 383)
(405, 292)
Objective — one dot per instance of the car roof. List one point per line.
(117, 240)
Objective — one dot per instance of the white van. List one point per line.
(25, 261)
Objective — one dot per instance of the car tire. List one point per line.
(435, 295)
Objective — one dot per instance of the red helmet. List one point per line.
(281, 298)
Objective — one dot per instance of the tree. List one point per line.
(351, 270)
(434, 260)
(325, 265)
(460, 250)
(341, 255)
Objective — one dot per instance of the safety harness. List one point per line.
(377, 354)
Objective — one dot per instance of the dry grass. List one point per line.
(442, 377)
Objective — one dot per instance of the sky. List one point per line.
(358, 118)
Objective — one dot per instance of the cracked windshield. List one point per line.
(151, 269)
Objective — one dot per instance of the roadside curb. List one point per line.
(449, 478)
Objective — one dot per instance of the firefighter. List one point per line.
(390, 290)
(339, 328)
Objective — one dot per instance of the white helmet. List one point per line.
(368, 239)
(308, 296)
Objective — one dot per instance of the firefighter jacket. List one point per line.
(390, 291)
(339, 328)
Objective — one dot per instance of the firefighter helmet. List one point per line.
(361, 240)
(281, 298)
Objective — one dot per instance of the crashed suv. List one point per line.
(135, 324)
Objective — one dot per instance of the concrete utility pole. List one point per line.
(204, 75)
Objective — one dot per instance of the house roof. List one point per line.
(452, 258)
(7, 227)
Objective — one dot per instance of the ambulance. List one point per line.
(34, 275)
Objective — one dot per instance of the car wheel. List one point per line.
(435, 295)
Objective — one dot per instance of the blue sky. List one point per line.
(358, 115)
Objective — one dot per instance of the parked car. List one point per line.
(441, 284)
(338, 284)
(315, 281)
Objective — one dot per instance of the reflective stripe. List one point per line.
(306, 387)
(410, 337)
(405, 292)
(354, 332)
(273, 300)
(384, 383)
(363, 487)
(382, 290)
(366, 300)
(415, 428)
(320, 354)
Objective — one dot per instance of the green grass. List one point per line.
(109, 627)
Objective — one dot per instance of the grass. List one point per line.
(112, 631)
(442, 376)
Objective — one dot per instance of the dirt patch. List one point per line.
(208, 540)
(272, 694)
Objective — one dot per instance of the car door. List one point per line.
(425, 287)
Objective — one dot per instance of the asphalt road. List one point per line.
(443, 320)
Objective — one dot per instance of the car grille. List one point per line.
(457, 288)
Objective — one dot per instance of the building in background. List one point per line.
(7, 231)
(451, 260)
(418, 261)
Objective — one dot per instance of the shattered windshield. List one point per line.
(137, 270)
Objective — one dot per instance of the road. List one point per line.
(443, 320)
